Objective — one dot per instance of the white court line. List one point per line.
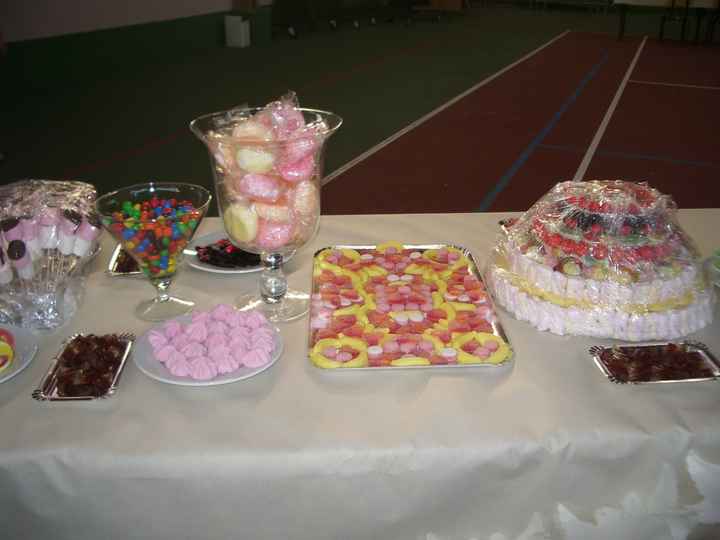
(587, 158)
(679, 85)
(337, 172)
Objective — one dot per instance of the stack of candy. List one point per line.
(155, 232)
(48, 231)
(267, 173)
(215, 342)
(397, 305)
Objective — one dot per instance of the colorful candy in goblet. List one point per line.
(154, 222)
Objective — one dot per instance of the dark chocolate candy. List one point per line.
(16, 250)
(73, 216)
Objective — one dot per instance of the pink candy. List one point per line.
(274, 235)
(208, 346)
(298, 171)
(261, 187)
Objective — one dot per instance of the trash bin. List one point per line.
(261, 24)
(237, 31)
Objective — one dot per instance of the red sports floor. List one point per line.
(583, 106)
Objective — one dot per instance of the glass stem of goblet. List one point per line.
(273, 284)
(162, 285)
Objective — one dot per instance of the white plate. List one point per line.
(211, 238)
(25, 350)
(147, 363)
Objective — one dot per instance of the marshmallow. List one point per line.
(6, 273)
(69, 223)
(86, 235)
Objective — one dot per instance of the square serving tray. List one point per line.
(497, 328)
(47, 390)
(624, 354)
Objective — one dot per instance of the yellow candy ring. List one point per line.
(498, 356)
(7, 353)
(320, 360)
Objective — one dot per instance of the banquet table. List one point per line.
(546, 447)
(674, 10)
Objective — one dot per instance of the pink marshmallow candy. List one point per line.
(273, 234)
(298, 171)
(260, 187)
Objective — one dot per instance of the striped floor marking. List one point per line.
(362, 157)
(678, 85)
(490, 197)
(587, 158)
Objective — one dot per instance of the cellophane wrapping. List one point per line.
(605, 259)
(48, 231)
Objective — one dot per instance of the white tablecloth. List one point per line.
(546, 449)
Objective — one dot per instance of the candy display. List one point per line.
(7, 349)
(154, 232)
(657, 363)
(604, 259)
(49, 231)
(212, 343)
(153, 223)
(400, 306)
(87, 367)
(267, 164)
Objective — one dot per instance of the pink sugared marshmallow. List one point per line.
(216, 340)
(193, 349)
(164, 353)
(172, 329)
(223, 358)
(286, 119)
(274, 235)
(298, 171)
(179, 341)
(178, 365)
(260, 187)
(256, 358)
(297, 149)
(217, 328)
(157, 339)
(201, 316)
(222, 312)
(196, 331)
(202, 369)
(255, 319)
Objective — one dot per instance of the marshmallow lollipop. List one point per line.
(69, 223)
(6, 273)
(48, 228)
(20, 257)
(31, 235)
(86, 234)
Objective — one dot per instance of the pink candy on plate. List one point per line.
(215, 342)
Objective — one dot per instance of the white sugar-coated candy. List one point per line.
(417, 317)
(255, 160)
(366, 257)
(406, 277)
(272, 212)
(463, 298)
(374, 351)
(345, 302)
(401, 318)
(415, 255)
(305, 199)
(252, 130)
(448, 352)
(393, 277)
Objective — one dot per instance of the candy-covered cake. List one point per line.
(604, 259)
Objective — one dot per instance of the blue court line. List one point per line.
(522, 158)
(630, 155)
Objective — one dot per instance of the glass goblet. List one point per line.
(154, 222)
(268, 190)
